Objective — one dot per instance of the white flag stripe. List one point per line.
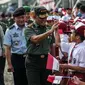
(57, 79)
(55, 64)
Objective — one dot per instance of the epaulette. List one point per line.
(11, 27)
(31, 25)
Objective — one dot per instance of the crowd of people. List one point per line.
(29, 34)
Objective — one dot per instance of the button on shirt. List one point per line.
(78, 54)
(14, 37)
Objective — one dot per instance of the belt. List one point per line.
(40, 55)
(24, 55)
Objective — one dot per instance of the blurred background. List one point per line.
(11, 5)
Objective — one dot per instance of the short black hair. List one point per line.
(78, 5)
(19, 11)
(82, 8)
(68, 8)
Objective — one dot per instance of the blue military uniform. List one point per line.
(14, 38)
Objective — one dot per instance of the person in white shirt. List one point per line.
(68, 15)
(76, 54)
(64, 37)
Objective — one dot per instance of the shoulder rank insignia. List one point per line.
(11, 27)
(30, 25)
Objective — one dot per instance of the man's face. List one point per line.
(20, 20)
(41, 21)
(27, 17)
(69, 11)
(76, 38)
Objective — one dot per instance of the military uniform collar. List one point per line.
(38, 26)
(16, 26)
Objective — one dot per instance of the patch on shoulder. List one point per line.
(31, 25)
(11, 27)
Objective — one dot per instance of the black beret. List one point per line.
(18, 12)
(41, 12)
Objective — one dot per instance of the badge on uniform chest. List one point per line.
(16, 43)
(15, 35)
(42, 56)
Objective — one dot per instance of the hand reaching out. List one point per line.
(76, 80)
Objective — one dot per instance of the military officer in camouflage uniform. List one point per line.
(3, 21)
(38, 46)
(27, 15)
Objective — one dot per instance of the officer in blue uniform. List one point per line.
(15, 48)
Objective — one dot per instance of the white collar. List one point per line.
(17, 27)
(80, 44)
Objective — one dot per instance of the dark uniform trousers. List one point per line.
(36, 70)
(2, 66)
(19, 74)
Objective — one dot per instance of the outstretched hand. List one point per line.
(75, 80)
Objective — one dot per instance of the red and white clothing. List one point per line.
(78, 54)
(66, 18)
(63, 38)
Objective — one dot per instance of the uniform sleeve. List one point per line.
(1, 32)
(28, 33)
(65, 47)
(82, 58)
(1, 36)
(7, 38)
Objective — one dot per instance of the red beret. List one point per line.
(80, 28)
(62, 25)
